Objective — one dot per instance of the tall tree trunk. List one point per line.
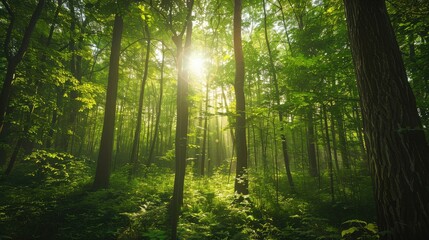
(135, 149)
(21, 141)
(48, 141)
(181, 140)
(241, 179)
(71, 109)
(158, 111)
(342, 138)
(205, 129)
(102, 173)
(14, 60)
(286, 158)
(329, 154)
(397, 148)
(334, 142)
(311, 145)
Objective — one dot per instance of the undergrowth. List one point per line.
(50, 197)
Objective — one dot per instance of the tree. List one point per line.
(277, 100)
(102, 173)
(241, 180)
(396, 144)
(13, 59)
(134, 151)
(181, 139)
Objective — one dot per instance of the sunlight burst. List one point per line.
(197, 65)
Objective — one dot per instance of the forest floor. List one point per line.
(64, 207)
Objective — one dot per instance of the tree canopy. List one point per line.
(197, 119)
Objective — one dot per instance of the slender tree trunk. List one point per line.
(14, 156)
(14, 60)
(397, 149)
(71, 109)
(205, 129)
(181, 140)
(334, 143)
(311, 146)
(53, 123)
(280, 6)
(158, 111)
(118, 148)
(135, 149)
(286, 158)
(102, 173)
(241, 178)
(342, 138)
(329, 154)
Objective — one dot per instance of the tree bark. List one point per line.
(182, 120)
(241, 179)
(102, 173)
(397, 149)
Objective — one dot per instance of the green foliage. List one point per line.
(53, 168)
(138, 209)
(359, 230)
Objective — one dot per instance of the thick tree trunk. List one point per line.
(397, 148)
(241, 179)
(102, 173)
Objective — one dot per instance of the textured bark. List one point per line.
(241, 179)
(102, 173)
(396, 145)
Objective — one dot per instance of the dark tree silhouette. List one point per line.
(102, 173)
(182, 119)
(14, 59)
(396, 144)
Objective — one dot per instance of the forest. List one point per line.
(213, 119)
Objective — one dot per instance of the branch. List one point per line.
(6, 48)
(29, 30)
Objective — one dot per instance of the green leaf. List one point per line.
(349, 231)
(372, 227)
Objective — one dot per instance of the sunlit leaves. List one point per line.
(146, 15)
(89, 94)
